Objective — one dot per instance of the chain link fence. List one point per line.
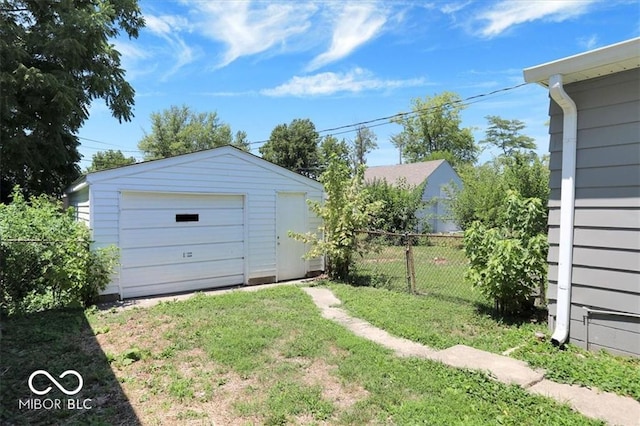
(425, 264)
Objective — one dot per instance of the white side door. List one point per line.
(291, 215)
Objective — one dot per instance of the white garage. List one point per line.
(214, 218)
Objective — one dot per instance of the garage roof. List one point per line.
(150, 165)
(594, 63)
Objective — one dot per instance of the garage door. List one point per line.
(180, 242)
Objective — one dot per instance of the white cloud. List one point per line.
(451, 8)
(329, 83)
(507, 13)
(248, 29)
(134, 60)
(169, 27)
(588, 43)
(356, 24)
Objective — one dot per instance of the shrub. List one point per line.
(482, 197)
(508, 263)
(45, 257)
(345, 212)
(400, 204)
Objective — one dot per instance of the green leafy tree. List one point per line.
(179, 130)
(108, 160)
(330, 146)
(482, 196)
(241, 140)
(400, 205)
(505, 135)
(346, 210)
(363, 144)
(55, 59)
(507, 263)
(45, 257)
(294, 147)
(433, 129)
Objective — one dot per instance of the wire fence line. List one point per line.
(424, 264)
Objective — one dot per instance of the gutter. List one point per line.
(567, 208)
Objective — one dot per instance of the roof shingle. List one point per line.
(414, 173)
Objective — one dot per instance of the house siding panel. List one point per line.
(216, 174)
(606, 254)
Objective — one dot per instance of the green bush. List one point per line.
(482, 195)
(508, 263)
(400, 204)
(45, 257)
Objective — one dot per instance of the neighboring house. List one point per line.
(594, 205)
(438, 174)
(208, 219)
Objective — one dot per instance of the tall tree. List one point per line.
(332, 146)
(399, 140)
(55, 58)
(505, 135)
(294, 147)
(364, 143)
(179, 130)
(108, 160)
(433, 131)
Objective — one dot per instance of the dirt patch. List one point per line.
(342, 395)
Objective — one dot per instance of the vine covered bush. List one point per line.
(46, 259)
(508, 263)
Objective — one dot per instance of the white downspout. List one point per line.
(567, 207)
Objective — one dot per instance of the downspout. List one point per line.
(567, 208)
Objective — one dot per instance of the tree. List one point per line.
(346, 210)
(241, 141)
(508, 262)
(399, 140)
(505, 134)
(55, 59)
(482, 195)
(432, 131)
(108, 160)
(400, 205)
(179, 130)
(329, 146)
(294, 147)
(364, 143)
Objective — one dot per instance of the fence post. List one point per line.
(412, 267)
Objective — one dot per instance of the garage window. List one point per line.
(187, 217)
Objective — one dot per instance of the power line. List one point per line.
(375, 122)
(382, 121)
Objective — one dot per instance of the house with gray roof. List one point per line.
(438, 175)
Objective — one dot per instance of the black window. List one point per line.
(187, 217)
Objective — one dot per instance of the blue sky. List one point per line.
(259, 64)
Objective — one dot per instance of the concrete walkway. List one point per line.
(612, 408)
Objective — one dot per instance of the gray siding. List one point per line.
(606, 254)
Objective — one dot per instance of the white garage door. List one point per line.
(180, 242)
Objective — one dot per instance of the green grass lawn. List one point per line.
(439, 271)
(264, 357)
(441, 322)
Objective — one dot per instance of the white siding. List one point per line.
(218, 171)
(80, 202)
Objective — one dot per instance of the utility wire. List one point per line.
(382, 121)
(375, 122)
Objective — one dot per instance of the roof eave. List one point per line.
(595, 63)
